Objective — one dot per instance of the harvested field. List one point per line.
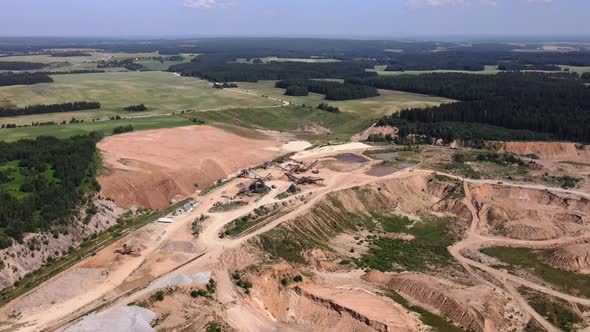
(150, 168)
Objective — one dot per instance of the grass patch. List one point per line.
(530, 261)
(104, 127)
(291, 118)
(428, 249)
(393, 224)
(437, 323)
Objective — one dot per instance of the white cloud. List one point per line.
(206, 4)
(434, 3)
(456, 3)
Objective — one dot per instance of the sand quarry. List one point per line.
(151, 168)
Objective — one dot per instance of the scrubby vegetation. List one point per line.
(328, 108)
(43, 182)
(530, 261)
(429, 248)
(123, 129)
(136, 108)
(436, 322)
(558, 312)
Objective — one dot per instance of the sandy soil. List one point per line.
(339, 299)
(150, 168)
(364, 135)
(545, 150)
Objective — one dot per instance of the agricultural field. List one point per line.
(105, 127)
(161, 92)
(388, 102)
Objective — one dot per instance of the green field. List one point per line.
(106, 127)
(289, 118)
(388, 102)
(161, 92)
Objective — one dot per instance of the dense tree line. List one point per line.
(52, 108)
(136, 108)
(69, 53)
(218, 71)
(438, 60)
(464, 87)
(479, 56)
(68, 72)
(544, 103)
(57, 174)
(20, 65)
(296, 90)
(126, 63)
(8, 79)
(511, 66)
(472, 134)
(332, 90)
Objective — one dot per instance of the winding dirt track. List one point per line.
(216, 247)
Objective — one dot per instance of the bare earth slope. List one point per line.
(150, 168)
(545, 150)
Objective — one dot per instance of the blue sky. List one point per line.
(361, 18)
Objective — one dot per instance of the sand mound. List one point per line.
(122, 318)
(373, 130)
(545, 150)
(150, 168)
(531, 214)
(574, 257)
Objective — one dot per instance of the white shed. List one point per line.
(166, 220)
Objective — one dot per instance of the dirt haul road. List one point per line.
(128, 278)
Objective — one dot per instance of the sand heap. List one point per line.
(374, 130)
(150, 168)
(545, 150)
(531, 214)
(575, 257)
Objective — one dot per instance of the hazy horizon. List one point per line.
(376, 19)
